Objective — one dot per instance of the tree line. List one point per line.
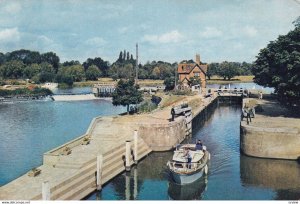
(228, 70)
(46, 67)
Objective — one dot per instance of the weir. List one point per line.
(110, 146)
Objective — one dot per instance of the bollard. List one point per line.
(127, 156)
(99, 172)
(135, 138)
(46, 190)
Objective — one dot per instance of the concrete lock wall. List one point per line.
(280, 143)
(163, 137)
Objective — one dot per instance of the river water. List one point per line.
(232, 176)
(28, 129)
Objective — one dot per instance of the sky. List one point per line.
(167, 30)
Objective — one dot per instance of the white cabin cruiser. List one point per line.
(183, 172)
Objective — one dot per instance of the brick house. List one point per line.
(187, 70)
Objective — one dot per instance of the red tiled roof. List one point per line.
(187, 68)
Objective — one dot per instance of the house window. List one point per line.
(197, 74)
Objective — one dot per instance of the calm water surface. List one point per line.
(29, 129)
(232, 176)
(249, 85)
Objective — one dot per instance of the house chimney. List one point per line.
(198, 59)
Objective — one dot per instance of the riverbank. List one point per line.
(273, 133)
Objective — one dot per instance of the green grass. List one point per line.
(237, 79)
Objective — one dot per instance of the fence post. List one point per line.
(127, 156)
(46, 190)
(135, 138)
(99, 171)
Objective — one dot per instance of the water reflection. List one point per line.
(193, 191)
(283, 176)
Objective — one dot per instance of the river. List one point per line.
(28, 129)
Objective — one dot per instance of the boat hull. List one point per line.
(187, 178)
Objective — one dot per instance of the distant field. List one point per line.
(142, 82)
(238, 79)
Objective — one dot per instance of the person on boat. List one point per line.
(189, 158)
(199, 145)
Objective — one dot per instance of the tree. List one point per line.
(124, 55)
(212, 70)
(70, 63)
(51, 58)
(76, 72)
(228, 70)
(278, 66)
(155, 73)
(120, 59)
(12, 69)
(127, 93)
(297, 22)
(26, 56)
(32, 70)
(47, 73)
(194, 81)
(127, 58)
(100, 63)
(2, 58)
(169, 82)
(92, 73)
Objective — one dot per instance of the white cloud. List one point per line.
(250, 31)
(123, 29)
(211, 32)
(170, 37)
(9, 35)
(12, 7)
(45, 39)
(96, 41)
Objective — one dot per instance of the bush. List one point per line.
(147, 106)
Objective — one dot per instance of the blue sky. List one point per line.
(168, 30)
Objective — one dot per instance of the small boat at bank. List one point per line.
(183, 172)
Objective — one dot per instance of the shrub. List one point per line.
(147, 106)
